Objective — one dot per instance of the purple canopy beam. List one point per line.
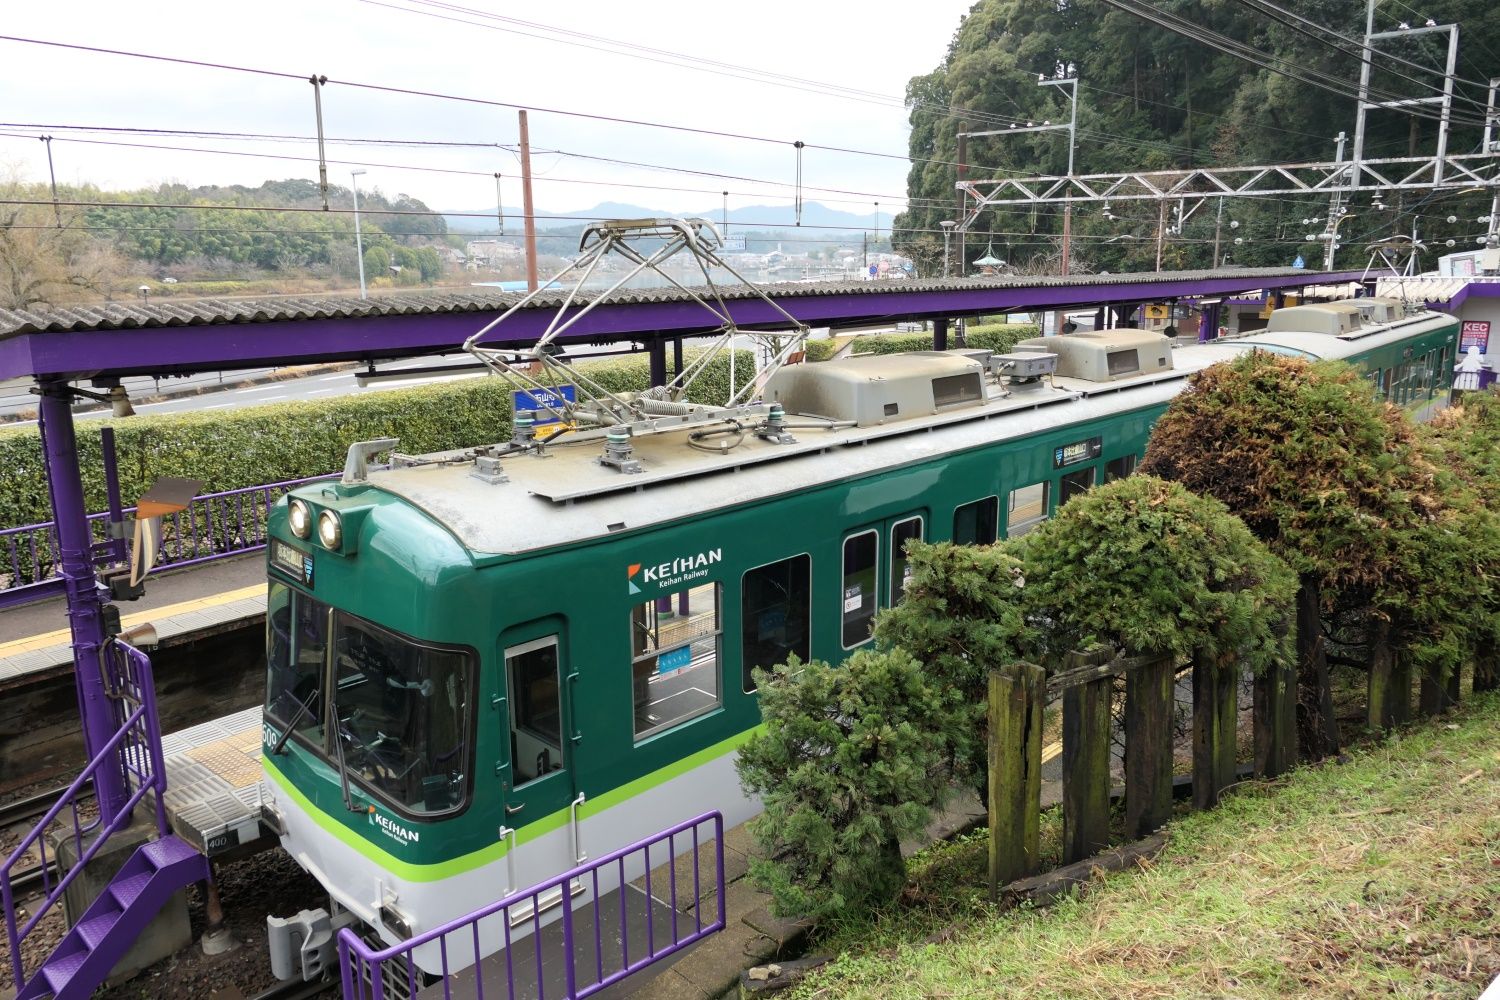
(105, 348)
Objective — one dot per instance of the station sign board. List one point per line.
(1475, 333)
(536, 401)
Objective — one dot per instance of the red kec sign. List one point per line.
(1475, 333)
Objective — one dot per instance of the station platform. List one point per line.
(213, 785)
(183, 605)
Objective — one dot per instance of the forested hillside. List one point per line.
(1152, 99)
(213, 248)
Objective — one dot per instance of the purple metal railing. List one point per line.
(215, 526)
(458, 960)
(135, 752)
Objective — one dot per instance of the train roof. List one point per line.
(567, 496)
(1325, 344)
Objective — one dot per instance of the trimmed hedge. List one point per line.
(821, 350)
(1000, 337)
(232, 449)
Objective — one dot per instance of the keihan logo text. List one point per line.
(676, 571)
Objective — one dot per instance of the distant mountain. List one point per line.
(815, 216)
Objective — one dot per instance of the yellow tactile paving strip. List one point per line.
(235, 758)
(62, 636)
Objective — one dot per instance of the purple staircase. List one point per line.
(126, 771)
(109, 927)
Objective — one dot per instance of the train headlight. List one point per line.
(299, 516)
(330, 531)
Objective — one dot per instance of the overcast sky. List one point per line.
(873, 46)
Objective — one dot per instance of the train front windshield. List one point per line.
(400, 710)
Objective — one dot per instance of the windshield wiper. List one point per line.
(302, 709)
(338, 746)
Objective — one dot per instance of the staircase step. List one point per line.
(58, 971)
(125, 890)
(93, 930)
(167, 851)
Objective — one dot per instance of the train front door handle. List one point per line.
(512, 810)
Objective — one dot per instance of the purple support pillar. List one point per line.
(1099, 318)
(112, 491)
(682, 603)
(940, 334)
(1208, 323)
(85, 609)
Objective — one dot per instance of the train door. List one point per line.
(874, 566)
(538, 776)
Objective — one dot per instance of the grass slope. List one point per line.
(1379, 877)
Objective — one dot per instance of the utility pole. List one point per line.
(1161, 230)
(1335, 212)
(963, 174)
(1218, 226)
(1491, 120)
(526, 205)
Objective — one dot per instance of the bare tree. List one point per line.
(47, 257)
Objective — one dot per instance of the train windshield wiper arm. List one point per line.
(302, 709)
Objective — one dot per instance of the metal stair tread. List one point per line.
(94, 930)
(59, 969)
(128, 890)
(167, 851)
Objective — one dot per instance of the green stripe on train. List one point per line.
(434, 872)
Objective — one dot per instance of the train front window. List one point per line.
(675, 644)
(296, 656)
(403, 716)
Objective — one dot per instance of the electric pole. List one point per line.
(526, 205)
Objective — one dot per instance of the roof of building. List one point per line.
(196, 312)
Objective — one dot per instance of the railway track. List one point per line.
(299, 990)
(31, 878)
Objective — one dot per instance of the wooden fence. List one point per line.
(1019, 693)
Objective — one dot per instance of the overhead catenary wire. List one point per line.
(1272, 63)
(1351, 46)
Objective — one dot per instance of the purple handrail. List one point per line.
(217, 526)
(364, 972)
(135, 749)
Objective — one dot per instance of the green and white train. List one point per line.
(480, 671)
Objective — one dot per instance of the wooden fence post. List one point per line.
(1436, 696)
(1378, 690)
(1400, 691)
(1148, 745)
(1085, 759)
(1486, 667)
(1275, 720)
(1215, 725)
(1017, 696)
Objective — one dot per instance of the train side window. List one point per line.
(775, 615)
(861, 554)
(675, 644)
(901, 533)
(977, 523)
(1119, 468)
(1074, 483)
(1028, 508)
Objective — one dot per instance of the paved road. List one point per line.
(241, 388)
(14, 396)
